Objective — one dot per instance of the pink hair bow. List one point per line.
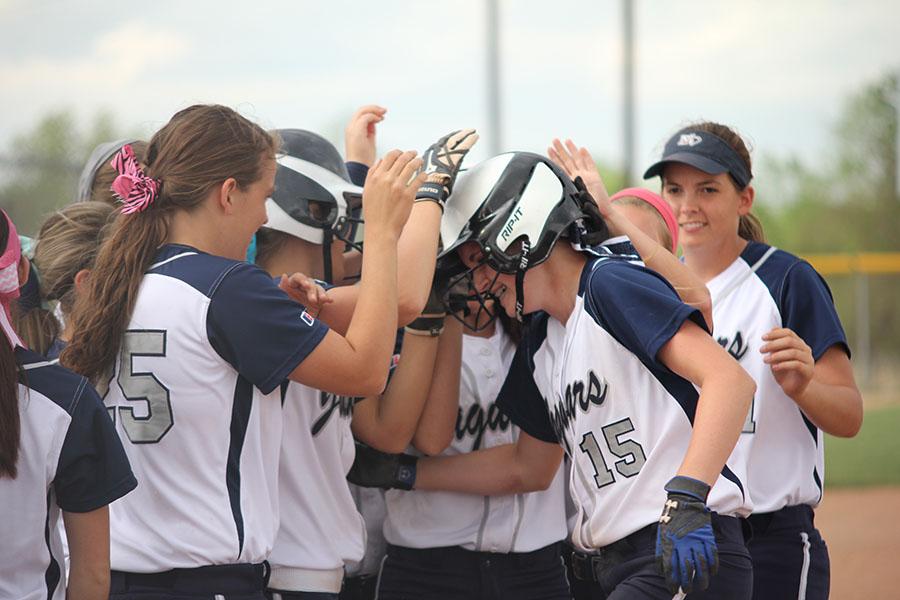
(132, 186)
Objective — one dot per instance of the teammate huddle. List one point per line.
(584, 413)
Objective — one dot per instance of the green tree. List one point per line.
(848, 203)
(41, 166)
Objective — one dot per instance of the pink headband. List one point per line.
(661, 206)
(9, 280)
(135, 190)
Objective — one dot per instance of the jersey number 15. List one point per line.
(138, 386)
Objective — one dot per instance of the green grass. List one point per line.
(872, 457)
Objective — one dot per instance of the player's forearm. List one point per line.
(435, 429)
(390, 425)
(721, 412)
(835, 409)
(489, 472)
(689, 287)
(88, 535)
(417, 251)
(371, 331)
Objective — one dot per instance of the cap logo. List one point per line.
(689, 139)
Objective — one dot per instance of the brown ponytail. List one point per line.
(196, 151)
(67, 243)
(749, 228)
(10, 428)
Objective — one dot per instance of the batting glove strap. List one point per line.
(373, 468)
(687, 486)
(686, 549)
(431, 191)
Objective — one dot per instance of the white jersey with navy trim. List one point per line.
(205, 331)
(513, 523)
(766, 288)
(69, 458)
(595, 386)
(321, 528)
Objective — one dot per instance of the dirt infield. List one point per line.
(862, 531)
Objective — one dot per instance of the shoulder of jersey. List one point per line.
(47, 378)
(200, 270)
(755, 251)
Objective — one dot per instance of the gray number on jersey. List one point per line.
(144, 387)
(630, 452)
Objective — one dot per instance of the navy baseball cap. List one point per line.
(705, 151)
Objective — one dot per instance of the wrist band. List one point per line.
(430, 326)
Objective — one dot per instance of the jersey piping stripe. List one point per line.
(484, 517)
(520, 504)
(804, 570)
(170, 259)
(38, 365)
(52, 574)
(240, 418)
(753, 269)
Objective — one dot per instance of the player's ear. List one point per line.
(747, 196)
(81, 280)
(226, 195)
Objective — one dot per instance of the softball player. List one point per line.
(605, 374)
(187, 331)
(321, 529)
(775, 315)
(454, 545)
(63, 255)
(58, 453)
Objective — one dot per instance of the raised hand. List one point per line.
(577, 162)
(389, 191)
(442, 163)
(359, 136)
(790, 359)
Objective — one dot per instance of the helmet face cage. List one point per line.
(463, 291)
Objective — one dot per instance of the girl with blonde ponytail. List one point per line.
(64, 254)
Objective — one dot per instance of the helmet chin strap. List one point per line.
(326, 254)
(520, 281)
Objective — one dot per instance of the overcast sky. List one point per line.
(779, 71)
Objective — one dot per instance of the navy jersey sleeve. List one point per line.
(807, 308)
(258, 329)
(357, 172)
(93, 469)
(637, 307)
(520, 399)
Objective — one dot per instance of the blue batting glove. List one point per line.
(685, 543)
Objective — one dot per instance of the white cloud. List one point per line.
(117, 59)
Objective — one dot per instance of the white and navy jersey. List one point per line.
(514, 523)
(69, 458)
(763, 289)
(371, 505)
(596, 386)
(204, 333)
(321, 528)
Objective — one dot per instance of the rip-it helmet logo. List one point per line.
(510, 224)
(689, 139)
